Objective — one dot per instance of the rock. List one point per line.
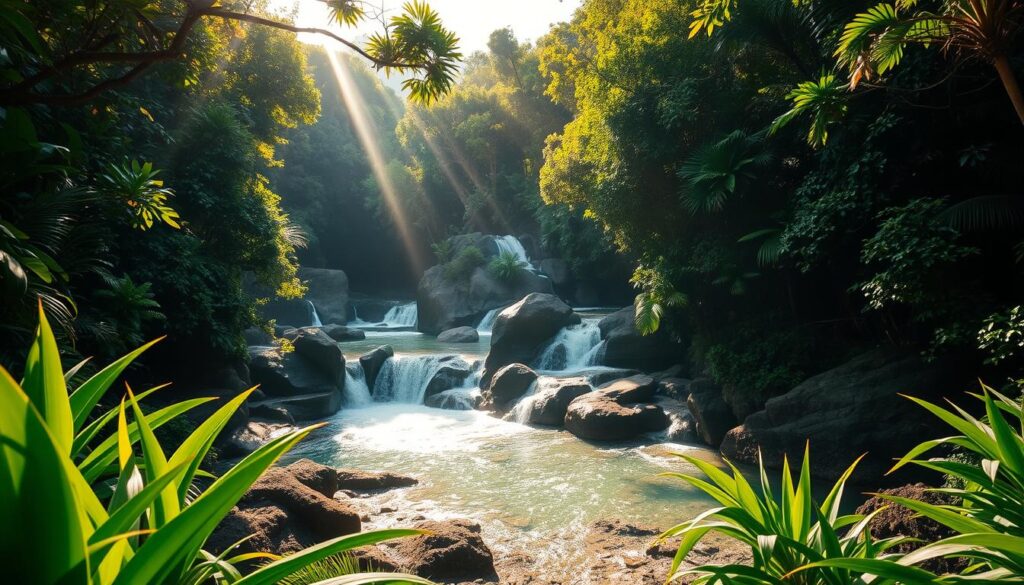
(586, 295)
(452, 551)
(370, 481)
(285, 331)
(682, 427)
(462, 334)
(287, 312)
(328, 291)
(274, 413)
(288, 374)
(257, 336)
(601, 375)
(319, 349)
(616, 411)
(455, 399)
(508, 385)
(249, 437)
(444, 304)
(713, 416)
(343, 333)
(678, 388)
(557, 270)
(549, 405)
(373, 310)
(306, 407)
(676, 371)
(625, 347)
(896, 520)
(452, 373)
(522, 329)
(281, 515)
(373, 361)
(853, 409)
(314, 475)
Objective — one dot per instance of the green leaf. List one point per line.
(85, 397)
(45, 386)
(166, 506)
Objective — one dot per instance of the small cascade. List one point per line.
(487, 323)
(456, 399)
(512, 245)
(401, 315)
(356, 321)
(520, 413)
(316, 318)
(405, 378)
(356, 392)
(573, 348)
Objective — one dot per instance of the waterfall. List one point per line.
(405, 378)
(356, 393)
(457, 399)
(512, 245)
(316, 318)
(487, 323)
(520, 413)
(574, 347)
(401, 315)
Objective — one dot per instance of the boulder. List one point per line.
(320, 350)
(257, 336)
(713, 416)
(850, 410)
(281, 515)
(451, 373)
(373, 361)
(678, 388)
(464, 334)
(304, 407)
(521, 330)
(616, 411)
(557, 270)
(343, 333)
(260, 409)
(357, 480)
(328, 291)
(288, 374)
(314, 475)
(452, 551)
(455, 399)
(509, 384)
(549, 404)
(625, 347)
(249, 437)
(287, 312)
(682, 428)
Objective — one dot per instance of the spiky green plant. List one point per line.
(506, 267)
(84, 503)
(786, 532)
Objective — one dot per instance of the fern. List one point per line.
(984, 213)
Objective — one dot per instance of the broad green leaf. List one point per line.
(166, 506)
(89, 393)
(44, 384)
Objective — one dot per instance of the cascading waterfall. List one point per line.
(402, 315)
(512, 245)
(487, 323)
(356, 393)
(316, 318)
(574, 347)
(405, 378)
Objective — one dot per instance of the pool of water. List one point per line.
(415, 343)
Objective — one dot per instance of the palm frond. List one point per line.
(984, 213)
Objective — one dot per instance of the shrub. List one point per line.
(443, 251)
(465, 262)
(506, 267)
(83, 503)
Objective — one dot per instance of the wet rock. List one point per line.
(463, 334)
(323, 352)
(271, 413)
(714, 417)
(287, 312)
(251, 436)
(373, 361)
(342, 333)
(557, 270)
(678, 388)
(682, 427)
(521, 330)
(616, 411)
(853, 409)
(370, 481)
(625, 347)
(452, 373)
(455, 399)
(305, 407)
(549, 405)
(257, 336)
(328, 291)
(288, 374)
(314, 475)
(510, 383)
(452, 551)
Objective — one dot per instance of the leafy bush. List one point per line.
(506, 267)
(1002, 337)
(443, 250)
(83, 503)
(465, 262)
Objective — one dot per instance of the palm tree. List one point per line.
(874, 41)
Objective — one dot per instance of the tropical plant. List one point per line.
(128, 306)
(715, 173)
(506, 267)
(83, 503)
(1002, 336)
(658, 294)
(824, 99)
(143, 195)
(461, 267)
(442, 250)
(786, 533)
(875, 40)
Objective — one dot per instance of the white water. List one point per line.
(401, 315)
(520, 413)
(356, 392)
(487, 323)
(512, 245)
(316, 318)
(459, 398)
(573, 348)
(404, 378)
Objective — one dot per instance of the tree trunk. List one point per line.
(1006, 75)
